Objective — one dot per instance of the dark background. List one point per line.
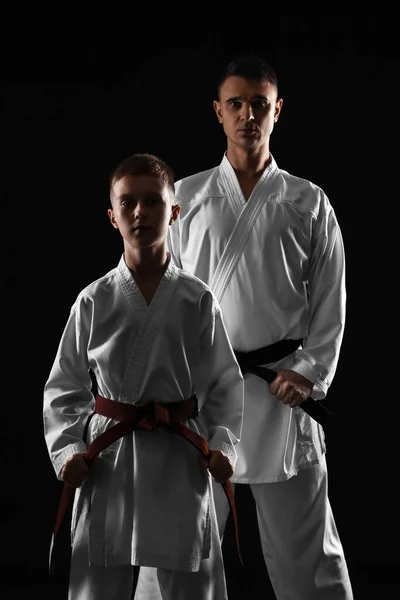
(75, 99)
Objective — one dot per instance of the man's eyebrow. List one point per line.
(256, 97)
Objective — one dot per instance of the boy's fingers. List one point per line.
(203, 461)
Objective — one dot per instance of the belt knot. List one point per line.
(157, 416)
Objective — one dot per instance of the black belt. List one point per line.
(250, 362)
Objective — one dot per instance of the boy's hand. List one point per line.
(75, 470)
(219, 465)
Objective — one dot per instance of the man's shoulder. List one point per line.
(300, 183)
(303, 193)
(187, 187)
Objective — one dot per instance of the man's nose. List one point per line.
(247, 111)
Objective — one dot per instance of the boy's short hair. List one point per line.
(144, 164)
(249, 66)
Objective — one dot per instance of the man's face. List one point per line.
(248, 111)
(141, 209)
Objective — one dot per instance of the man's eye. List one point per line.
(260, 104)
(234, 104)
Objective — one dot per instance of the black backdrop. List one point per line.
(74, 101)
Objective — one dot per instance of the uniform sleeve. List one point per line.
(317, 360)
(173, 243)
(222, 382)
(67, 400)
(173, 235)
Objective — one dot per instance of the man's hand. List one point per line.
(219, 465)
(290, 387)
(75, 470)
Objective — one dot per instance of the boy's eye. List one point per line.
(130, 202)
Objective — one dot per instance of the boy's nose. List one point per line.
(139, 212)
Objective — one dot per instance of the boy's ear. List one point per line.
(111, 215)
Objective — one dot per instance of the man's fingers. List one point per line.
(286, 392)
(274, 386)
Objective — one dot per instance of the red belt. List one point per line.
(145, 417)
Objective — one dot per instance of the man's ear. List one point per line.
(278, 108)
(217, 108)
(111, 215)
(175, 210)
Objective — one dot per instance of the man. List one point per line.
(270, 247)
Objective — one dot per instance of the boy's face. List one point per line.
(142, 210)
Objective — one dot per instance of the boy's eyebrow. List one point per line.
(256, 97)
(131, 196)
(125, 196)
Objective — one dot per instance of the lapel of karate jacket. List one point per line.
(131, 389)
(246, 217)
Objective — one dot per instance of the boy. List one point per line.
(154, 337)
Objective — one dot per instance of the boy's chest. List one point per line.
(148, 289)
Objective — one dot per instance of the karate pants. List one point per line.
(116, 583)
(299, 539)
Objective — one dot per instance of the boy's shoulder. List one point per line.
(191, 280)
(98, 286)
(195, 285)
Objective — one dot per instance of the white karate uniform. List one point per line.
(276, 263)
(146, 501)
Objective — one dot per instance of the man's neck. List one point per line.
(247, 164)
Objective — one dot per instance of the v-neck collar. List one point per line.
(234, 191)
(150, 317)
(132, 291)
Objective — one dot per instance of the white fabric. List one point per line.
(147, 496)
(301, 546)
(262, 258)
(106, 583)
